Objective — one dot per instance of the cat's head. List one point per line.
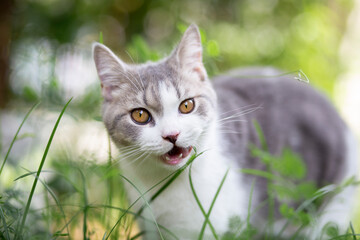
(157, 111)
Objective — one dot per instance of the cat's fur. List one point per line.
(290, 113)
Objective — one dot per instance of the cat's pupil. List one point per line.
(140, 116)
(187, 106)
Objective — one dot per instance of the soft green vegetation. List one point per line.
(290, 35)
(81, 195)
(67, 211)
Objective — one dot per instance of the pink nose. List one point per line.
(171, 137)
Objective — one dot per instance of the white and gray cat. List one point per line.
(156, 113)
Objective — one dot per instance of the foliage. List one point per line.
(298, 200)
(78, 192)
(287, 34)
(69, 202)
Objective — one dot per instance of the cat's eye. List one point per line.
(187, 106)
(140, 116)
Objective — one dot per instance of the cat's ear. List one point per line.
(109, 67)
(189, 52)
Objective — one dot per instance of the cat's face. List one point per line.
(157, 111)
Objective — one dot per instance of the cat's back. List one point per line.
(291, 114)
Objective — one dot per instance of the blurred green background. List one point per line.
(45, 55)
(40, 35)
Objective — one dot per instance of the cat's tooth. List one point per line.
(180, 155)
(167, 158)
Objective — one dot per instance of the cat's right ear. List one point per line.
(189, 53)
(109, 67)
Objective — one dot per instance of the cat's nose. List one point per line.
(171, 137)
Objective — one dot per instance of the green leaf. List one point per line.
(260, 135)
(283, 192)
(139, 48)
(286, 211)
(290, 165)
(262, 155)
(235, 223)
(306, 190)
(212, 48)
(30, 94)
(101, 39)
(331, 230)
(260, 173)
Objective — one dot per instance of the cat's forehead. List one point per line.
(155, 73)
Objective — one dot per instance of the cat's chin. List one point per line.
(176, 155)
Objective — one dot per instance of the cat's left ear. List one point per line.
(110, 68)
(189, 52)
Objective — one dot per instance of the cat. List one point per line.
(158, 113)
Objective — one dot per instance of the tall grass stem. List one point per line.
(27, 207)
(16, 134)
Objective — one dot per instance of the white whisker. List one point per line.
(237, 109)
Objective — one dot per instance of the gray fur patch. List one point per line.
(292, 115)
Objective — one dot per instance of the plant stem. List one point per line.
(19, 232)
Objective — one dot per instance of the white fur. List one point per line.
(176, 208)
(340, 208)
(176, 205)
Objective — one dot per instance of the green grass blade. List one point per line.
(110, 184)
(250, 203)
(344, 236)
(260, 173)
(27, 174)
(19, 232)
(172, 177)
(320, 193)
(134, 214)
(177, 173)
(86, 204)
(71, 219)
(260, 135)
(16, 134)
(5, 226)
(352, 231)
(198, 201)
(53, 195)
(206, 221)
(138, 235)
(146, 202)
(49, 171)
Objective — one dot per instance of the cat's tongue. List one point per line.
(176, 155)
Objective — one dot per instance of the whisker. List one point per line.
(144, 159)
(237, 109)
(236, 115)
(127, 77)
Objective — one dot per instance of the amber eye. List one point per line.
(140, 116)
(187, 106)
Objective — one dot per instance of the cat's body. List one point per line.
(155, 112)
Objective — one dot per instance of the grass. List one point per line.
(70, 211)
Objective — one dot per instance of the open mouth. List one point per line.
(175, 155)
